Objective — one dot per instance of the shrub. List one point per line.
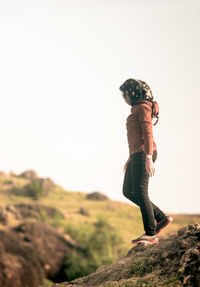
(99, 244)
(34, 189)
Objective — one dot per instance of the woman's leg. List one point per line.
(129, 190)
(140, 181)
(158, 214)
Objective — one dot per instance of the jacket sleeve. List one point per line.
(145, 119)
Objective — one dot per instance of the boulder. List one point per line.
(3, 216)
(31, 252)
(30, 174)
(47, 184)
(84, 211)
(96, 195)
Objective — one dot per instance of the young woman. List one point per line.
(143, 153)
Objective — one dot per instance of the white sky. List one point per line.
(61, 112)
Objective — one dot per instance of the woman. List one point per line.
(143, 153)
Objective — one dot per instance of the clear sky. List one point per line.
(61, 111)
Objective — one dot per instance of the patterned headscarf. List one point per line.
(140, 88)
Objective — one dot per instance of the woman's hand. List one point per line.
(125, 166)
(149, 166)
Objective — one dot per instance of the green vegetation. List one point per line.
(99, 244)
(34, 189)
(138, 268)
(42, 217)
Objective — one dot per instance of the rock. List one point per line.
(31, 252)
(30, 174)
(35, 186)
(84, 211)
(13, 212)
(175, 261)
(3, 215)
(2, 173)
(34, 211)
(23, 211)
(47, 184)
(96, 195)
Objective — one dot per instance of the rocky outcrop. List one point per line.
(96, 195)
(30, 174)
(23, 211)
(47, 184)
(30, 184)
(35, 188)
(175, 261)
(31, 252)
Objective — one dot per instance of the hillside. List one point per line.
(125, 217)
(99, 227)
(175, 261)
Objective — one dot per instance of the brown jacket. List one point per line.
(140, 129)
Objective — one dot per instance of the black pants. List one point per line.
(135, 188)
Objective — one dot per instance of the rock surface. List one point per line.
(175, 261)
(31, 252)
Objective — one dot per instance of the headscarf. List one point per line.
(141, 91)
(140, 88)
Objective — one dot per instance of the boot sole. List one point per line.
(145, 241)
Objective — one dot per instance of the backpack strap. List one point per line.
(155, 111)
